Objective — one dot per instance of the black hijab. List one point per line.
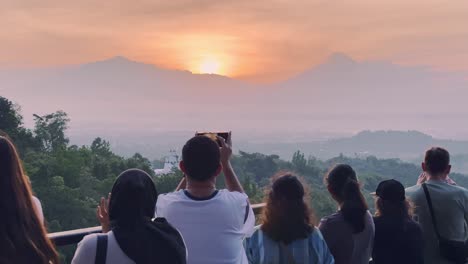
(131, 209)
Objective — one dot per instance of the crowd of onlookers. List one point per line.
(197, 223)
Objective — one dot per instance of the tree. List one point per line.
(50, 130)
(299, 162)
(11, 124)
(101, 147)
(10, 118)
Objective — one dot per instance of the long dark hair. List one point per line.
(343, 184)
(131, 212)
(23, 238)
(287, 216)
(402, 210)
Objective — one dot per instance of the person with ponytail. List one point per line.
(23, 238)
(350, 231)
(287, 233)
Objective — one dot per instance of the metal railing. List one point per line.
(71, 237)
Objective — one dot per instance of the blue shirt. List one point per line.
(312, 250)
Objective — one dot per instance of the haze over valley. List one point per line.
(127, 101)
(141, 108)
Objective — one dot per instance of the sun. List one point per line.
(210, 66)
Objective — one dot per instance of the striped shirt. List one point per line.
(312, 250)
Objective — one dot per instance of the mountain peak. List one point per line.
(340, 59)
(117, 63)
(118, 59)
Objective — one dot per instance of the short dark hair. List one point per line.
(201, 158)
(437, 160)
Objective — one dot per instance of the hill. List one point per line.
(405, 145)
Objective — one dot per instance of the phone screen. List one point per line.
(214, 135)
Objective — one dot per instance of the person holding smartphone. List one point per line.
(441, 209)
(213, 222)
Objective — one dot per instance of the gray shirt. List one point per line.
(450, 205)
(346, 247)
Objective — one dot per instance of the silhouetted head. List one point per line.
(23, 238)
(344, 187)
(287, 216)
(391, 200)
(437, 162)
(133, 198)
(200, 159)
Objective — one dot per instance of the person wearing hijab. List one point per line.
(130, 234)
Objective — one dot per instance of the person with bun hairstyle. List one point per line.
(287, 233)
(349, 232)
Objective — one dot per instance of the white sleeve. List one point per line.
(241, 201)
(38, 209)
(160, 206)
(249, 226)
(86, 251)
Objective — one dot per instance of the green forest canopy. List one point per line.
(70, 179)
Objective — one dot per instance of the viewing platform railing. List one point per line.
(72, 237)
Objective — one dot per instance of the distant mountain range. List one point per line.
(132, 101)
(406, 145)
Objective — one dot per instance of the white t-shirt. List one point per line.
(38, 209)
(213, 228)
(86, 251)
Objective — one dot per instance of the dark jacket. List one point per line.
(397, 241)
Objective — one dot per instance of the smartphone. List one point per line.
(214, 135)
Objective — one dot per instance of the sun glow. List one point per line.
(210, 66)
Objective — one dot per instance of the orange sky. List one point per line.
(262, 41)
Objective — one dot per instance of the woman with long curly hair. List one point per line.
(23, 238)
(287, 233)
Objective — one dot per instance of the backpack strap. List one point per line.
(431, 209)
(247, 210)
(101, 249)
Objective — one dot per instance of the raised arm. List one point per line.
(182, 184)
(231, 180)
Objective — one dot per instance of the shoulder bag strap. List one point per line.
(431, 209)
(101, 249)
(286, 250)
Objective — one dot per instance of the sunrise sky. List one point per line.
(259, 41)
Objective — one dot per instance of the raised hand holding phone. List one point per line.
(225, 149)
(231, 180)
